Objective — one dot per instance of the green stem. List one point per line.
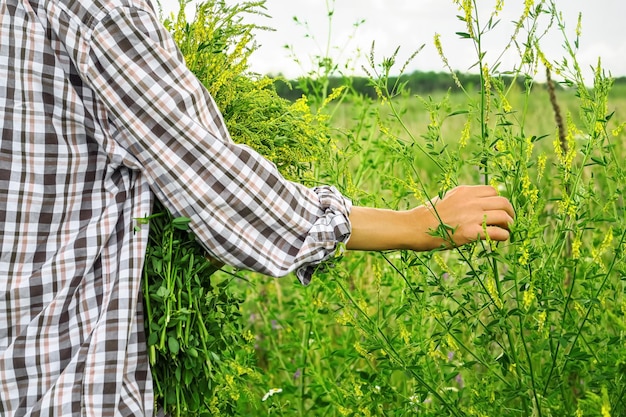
(555, 355)
(305, 352)
(392, 352)
(528, 356)
(148, 312)
(591, 305)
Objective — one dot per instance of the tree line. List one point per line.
(418, 82)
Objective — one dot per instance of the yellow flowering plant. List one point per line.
(530, 327)
(533, 326)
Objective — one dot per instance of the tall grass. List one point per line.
(531, 327)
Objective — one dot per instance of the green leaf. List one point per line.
(181, 223)
(153, 339)
(173, 345)
(162, 292)
(192, 352)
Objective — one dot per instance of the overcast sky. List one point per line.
(410, 23)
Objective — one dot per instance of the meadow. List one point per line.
(535, 326)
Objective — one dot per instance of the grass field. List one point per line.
(531, 327)
(377, 333)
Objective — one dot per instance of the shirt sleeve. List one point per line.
(241, 209)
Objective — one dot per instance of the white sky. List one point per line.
(410, 23)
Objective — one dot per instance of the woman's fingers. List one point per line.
(474, 190)
(498, 233)
(500, 218)
(497, 203)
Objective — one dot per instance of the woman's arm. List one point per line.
(465, 209)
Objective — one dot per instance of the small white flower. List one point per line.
(271, 392)
(377, 388)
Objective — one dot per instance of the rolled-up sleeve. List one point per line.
(241, 209)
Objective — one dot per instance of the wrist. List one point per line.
(423, 223)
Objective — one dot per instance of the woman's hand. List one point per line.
(464, 211)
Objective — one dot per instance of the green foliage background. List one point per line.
(532, 327)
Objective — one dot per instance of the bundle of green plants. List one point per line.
(198, 350)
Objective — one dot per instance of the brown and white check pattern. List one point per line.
(97, 113)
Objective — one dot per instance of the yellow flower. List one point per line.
(214, 406)
(232, 389)
(579, 309)
(567, 206)
(597, 253)
(415, 189)
(344, 411)
(599, 127)
(528, 4)
(487, 78)
(506, 106)
(579, 411)
(529, 147)
(437, 41)
(541, 166)
(529, 297)
(524, 257)
(404, 334)
(360, 349)
(344, 318)
(357, 390)
(442, 264)
(446, 181)
(498, 8)
(452, 343)
(576, 244)
(465, 133)
(493, 292)
(434, 123)
(541, 320)
(606, 404)
(543, 58)
(248, 336)
(434, 352)
(468, 6)
(527, 188)
(336, 92)
(579, 25)
(616, 132)
(317, 303)
(241, 370)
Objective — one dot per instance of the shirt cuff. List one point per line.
(329, 233)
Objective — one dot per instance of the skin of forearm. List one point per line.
(380, 229)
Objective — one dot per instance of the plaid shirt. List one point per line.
(97, 113)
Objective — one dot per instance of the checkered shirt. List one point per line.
(98, 114)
